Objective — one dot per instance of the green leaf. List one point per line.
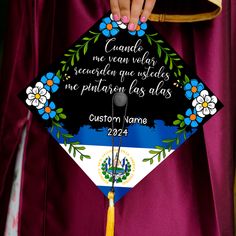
(67, 135)
(159, 50)
(63, 68)
(65, 142)
(52, 128)
(175, 74)
(177, 141)
(168, 140)
(179, 73)
(78, 46)
(176, 122)
(81, 157)
(151, 161)
(57, 118)
(166, 59)
(91, 32)
(179, 131)
(160, 41)
(74, 153)
(153, 34)
(67, 55)
(169, 148)
(59, 110)
(85, 48)
(58, 74)
(153, 152)
(72, 60)
(80, 148)
(164, 153)
(180, 66)
(63, 62)
(56, 124)
(71, 50)
(180, 117)
(182, 124)
(96, 38)
(173, 54)
(75, 143)
(58, 134)
(70, 148)
(159, 147)
(77, 55)
(62, 116)
(171, 64)
(149, 39)
(186, 78)
(87, 156)
(185, 135)
(146, 159)
(86, 38)
(159, 158)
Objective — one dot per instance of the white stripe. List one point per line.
(98, 153)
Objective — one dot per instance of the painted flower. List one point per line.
(140, 29)
(48, 111)
(205, 104)
(108, 27)
(192, 118)
(119, 23)
(193, 89)
(37, 96)
(50, 81)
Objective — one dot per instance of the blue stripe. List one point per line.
(139, 136)
(119, 191)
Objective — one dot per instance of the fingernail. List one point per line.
(131, 26)
(143, 19)
(125, 19)
(116, 17)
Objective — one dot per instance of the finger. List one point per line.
(124, 10)
(148, 7)
(136, 9)
(115, 9)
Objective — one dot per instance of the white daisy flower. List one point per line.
(205, 104)
(119, 23)
(37, 96)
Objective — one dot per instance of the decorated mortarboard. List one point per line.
(119, 102)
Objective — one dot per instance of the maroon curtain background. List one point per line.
(191, 193)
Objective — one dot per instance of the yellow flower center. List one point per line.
(194, 89)
(47, 109)
(193, 117)
(50, 82)
(109, 26)
(138, 28)
(37, 96)
(205, 104)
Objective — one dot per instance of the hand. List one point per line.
(130, 11)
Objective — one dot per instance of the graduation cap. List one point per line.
(119, 103)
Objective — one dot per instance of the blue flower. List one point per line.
(108, 27)
(192, 118)
(51, 82)
(193, 89)
(48, 111)
(140, 29)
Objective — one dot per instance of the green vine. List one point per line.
(171, 59)
(160, 151)
(73, 147)
(73, 55)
